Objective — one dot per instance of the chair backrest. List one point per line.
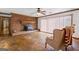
(58, 38)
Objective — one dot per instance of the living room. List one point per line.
(30, 29)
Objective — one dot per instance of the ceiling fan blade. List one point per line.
(40, 10)
(43, 13)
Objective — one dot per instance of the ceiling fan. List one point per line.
(39, 12)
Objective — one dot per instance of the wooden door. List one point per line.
(6, 26)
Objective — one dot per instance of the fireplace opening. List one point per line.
(28, 27)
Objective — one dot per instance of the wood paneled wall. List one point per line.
(0, 25)
(17, 22)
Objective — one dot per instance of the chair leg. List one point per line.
(65, 48)
(45, 44)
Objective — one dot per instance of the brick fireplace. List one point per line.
(26, 23)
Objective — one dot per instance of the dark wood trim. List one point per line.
(22, 14)
(36, 23)
(60, 12)
(71, 19)
(10, 26)
(5, 13)
(5, 16)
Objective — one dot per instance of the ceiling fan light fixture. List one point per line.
(39, 14)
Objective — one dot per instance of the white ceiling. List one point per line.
(32, 11)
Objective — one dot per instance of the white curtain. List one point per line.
(49, 24)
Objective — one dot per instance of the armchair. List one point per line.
(61, 38)
(57, 41)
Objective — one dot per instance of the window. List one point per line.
(49, 24)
